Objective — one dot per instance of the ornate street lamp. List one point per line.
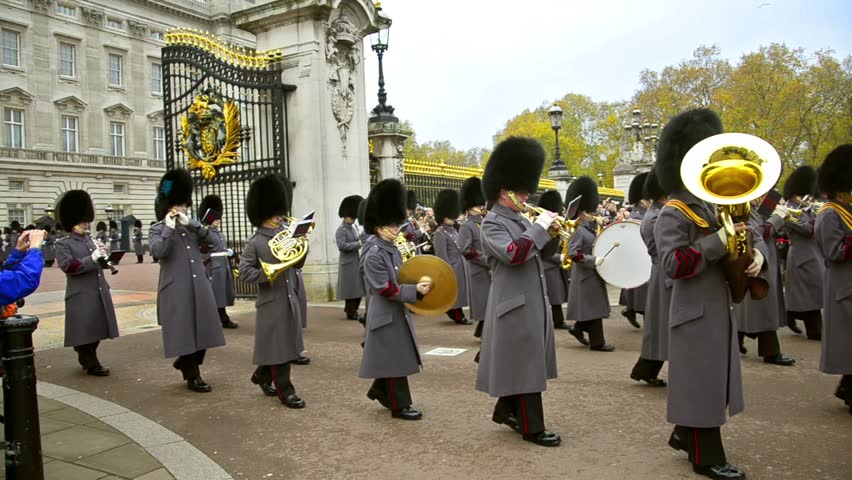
(379, 44)
(49, 211)
(600, 179)
(558, 169)
(639, 132)
(108, 210)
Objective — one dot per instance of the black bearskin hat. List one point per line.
(74, 207)
(385, 205)
(446, 205)
(586, 187)
(175, 188)
(209, 202)
(268, 196)
(470, 194)
(100, 227)
(362, 207)
(137, 224)
(515, 164)
(113, 225)
(678, 136)
(652, 189)
(551, 200)
(801, 182)
(349, 206)
(15, 225)
(411, 200)
(636, 193)
(835, 174)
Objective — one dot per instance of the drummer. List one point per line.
(588, 301)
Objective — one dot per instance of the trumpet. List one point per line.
(808, 205)
(561, 227)
(102, 261)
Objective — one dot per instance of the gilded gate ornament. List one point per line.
(210, 133)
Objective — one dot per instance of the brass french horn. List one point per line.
(288, 250)
(729, 170)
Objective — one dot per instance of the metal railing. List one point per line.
(81, 158)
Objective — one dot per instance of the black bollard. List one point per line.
(20, 403)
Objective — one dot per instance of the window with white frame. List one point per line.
(66, 10)
(119, 188)
(18, 214)
(116, 137)
(70, 134)
(156, 35)
(67, 59)
(11, 48)
(115, 23)
(116, 62)
(118, 212)
(159, 143)
(13, 128)
(16, 185)
(156, 79)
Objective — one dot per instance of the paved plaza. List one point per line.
(612, 427)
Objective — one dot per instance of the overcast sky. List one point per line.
(459, 69)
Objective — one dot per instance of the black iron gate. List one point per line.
(219, 98)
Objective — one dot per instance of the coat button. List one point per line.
(192, 261)
(182, 234)
(187, 246)
(193, 275)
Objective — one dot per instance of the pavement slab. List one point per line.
(128, 461)
(79, 442)
(60, 470)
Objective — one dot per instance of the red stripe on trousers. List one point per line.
(392, 394)
(697, 451)
(524, 414)
(275, 382)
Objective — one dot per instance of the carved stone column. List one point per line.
(388, 139)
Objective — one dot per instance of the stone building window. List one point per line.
(116, 62)
(70, 134)
(13, 127)
(67, 59)
(159, 143)
(116, 136)
(16, 185)
(18, 214)
(115, 23)
(157, 35)
(156, 79)
(119, 188)
(11, 48)
(66, 10)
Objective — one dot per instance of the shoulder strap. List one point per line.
(687, 212)
(844, 214)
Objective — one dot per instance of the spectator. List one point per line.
(21, 273)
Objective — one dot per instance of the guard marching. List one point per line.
(218, 261)
(478, 278)
(350, 283)
(554, 274)
(137, 241)
(445, 241)
(636, 297)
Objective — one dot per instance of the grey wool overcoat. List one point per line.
(655, 327)
(556, 277)
(390, 341)
(350, 284)
(114, 241)
(137, 242)
(445, 241)
(518, 353)
(636, 297)
(587, 296)
(834, 238)
(219, 270)
(49, 248)
(89, 313)
(185, 305)
(278, 325)
(704, 359)
(805, 265)
(302, 293)
(367, 241)
(476, 266)
(766, 314)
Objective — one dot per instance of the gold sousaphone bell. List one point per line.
(444, 286)
(730, 170)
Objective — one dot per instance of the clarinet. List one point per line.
(102, 261)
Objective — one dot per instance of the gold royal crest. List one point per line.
(210, 133)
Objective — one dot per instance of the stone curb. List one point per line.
(179, 457)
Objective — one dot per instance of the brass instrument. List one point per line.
(288, 250)
(730, 170)
(422, 268)
(807, 205)
(561, 227)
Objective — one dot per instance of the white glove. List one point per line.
(753, 270)
(169, 220)
(561, 258)
(98, 253)
(599, 261)
(230, 252)
(781, 211)
(545, 219)
(723, 235)
(182, 218)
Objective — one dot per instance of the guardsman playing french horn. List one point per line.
(518, 352)
(445, 242)
(278, 339)
(588, 301)
(186, 307)
(833, 234)
(472, 202)
(390, 343)
(350, 283)
(89, 312)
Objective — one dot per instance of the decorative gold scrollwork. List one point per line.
(210, 133)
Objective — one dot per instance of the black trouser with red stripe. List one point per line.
(479, 326)
(767, 342)
(48, 263)
(647, 369)
(188, 364)
(813, 322)
(558, 316)
(87, 355)
(392, 393)
(526, 408)
(595, 330)
(352, 306)
(704, 445)
(456, 315)
(139, 258)
(278, 375)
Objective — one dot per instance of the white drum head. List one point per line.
(628, 265)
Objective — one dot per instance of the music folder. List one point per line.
(304, 225)
(210, 216)
(571, 210)
(115, 256)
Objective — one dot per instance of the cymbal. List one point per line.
(444, 291)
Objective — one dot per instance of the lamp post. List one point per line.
(49, 211)
(644, 134)
(600, 179)
(558, 169)
(108, 211)
(379, 43)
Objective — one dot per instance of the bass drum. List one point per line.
(627, 264)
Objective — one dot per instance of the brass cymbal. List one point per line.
(444, 287)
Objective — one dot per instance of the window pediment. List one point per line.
(16, 96)
(156, 116)
(118, 111)
(70, 104)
